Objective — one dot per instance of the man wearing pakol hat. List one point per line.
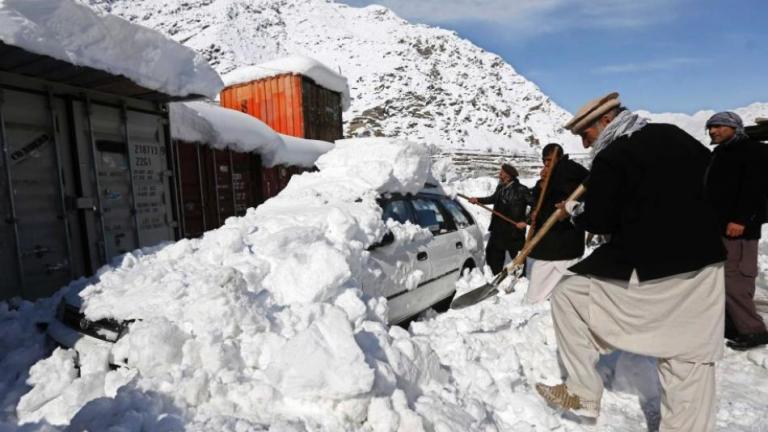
(656, 287)
(511, 199)
(736, 186)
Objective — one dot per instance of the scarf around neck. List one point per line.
(625, 124)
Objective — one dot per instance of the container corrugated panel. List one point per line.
(85, 180)
(190, 179)
(292, 105)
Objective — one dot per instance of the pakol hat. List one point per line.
(592, 111)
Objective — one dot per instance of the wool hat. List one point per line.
(726, 118)
(509, 169)
(592, 111)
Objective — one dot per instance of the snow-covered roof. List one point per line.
(300, 151)
(222, 128)
(72, 32)
(321, 74)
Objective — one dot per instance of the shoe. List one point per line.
(559, 397)
(748, 341)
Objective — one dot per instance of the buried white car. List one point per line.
(412, 273)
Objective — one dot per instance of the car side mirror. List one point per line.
(387, 239)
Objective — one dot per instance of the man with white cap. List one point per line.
(735, 185)
(633, 293)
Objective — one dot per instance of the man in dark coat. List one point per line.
(735, 186)
(564, 243)
(511, 199)
(656, 288)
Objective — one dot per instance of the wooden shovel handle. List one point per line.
(523, 254)
(490, 210)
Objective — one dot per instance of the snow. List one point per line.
(406, 80)
(224, 128)
(69, 31)
(271, 322)
(306, 66)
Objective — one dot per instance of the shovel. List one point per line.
(515, 268)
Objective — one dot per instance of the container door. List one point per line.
(241, 182)
(151, 178)
(191, 183)
(36, 248)
(224, 186)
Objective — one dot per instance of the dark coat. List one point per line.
(564, 240)
(735, 184)
(511, 200)
(646, 192)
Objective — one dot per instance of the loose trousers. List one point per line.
(543, 276)
(740, 274)
(678, 320)
(497, 249)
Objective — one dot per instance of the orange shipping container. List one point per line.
(290, 104)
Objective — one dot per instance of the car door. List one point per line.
(403, 266)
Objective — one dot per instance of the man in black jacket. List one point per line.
(511, 199)
(656, 288)
(564, 243)
(735, 186)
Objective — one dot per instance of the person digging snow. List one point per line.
(656, 288)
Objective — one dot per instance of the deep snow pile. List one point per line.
(69, 31)
(321, 74)
(263, 325)
(224, 128)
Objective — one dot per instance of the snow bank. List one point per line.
(271, 319)
(222, 128)
(69, 31)
(299, 151)
(321, 74)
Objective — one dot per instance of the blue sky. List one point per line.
(661, 55)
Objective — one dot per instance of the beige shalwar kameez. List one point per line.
(678, 319)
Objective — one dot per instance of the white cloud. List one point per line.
(535, 16)
(653, 65)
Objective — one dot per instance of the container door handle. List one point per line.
(421, 256)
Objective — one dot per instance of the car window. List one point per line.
(397, 210)
(428, 215)
(460, 217)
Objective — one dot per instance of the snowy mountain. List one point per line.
(694, 123)
(410, 81)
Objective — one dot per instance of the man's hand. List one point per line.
(561, 206)
(734, 230)
(521, 225)
(472, 200)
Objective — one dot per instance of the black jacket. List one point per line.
(736, 185)
(565, 240)
(510, 200)
(646, 192)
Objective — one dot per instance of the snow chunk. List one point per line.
(298, 151)
(224, 128)
(385, 164)
(321, 74)
(323, 360)
(69, 31)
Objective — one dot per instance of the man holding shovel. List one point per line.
(511, 200)
(633, 293)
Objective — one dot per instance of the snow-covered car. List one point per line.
(415, 273)
(429, 270)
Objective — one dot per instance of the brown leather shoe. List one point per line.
(559, 397)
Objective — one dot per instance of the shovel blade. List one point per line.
(475, 296)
